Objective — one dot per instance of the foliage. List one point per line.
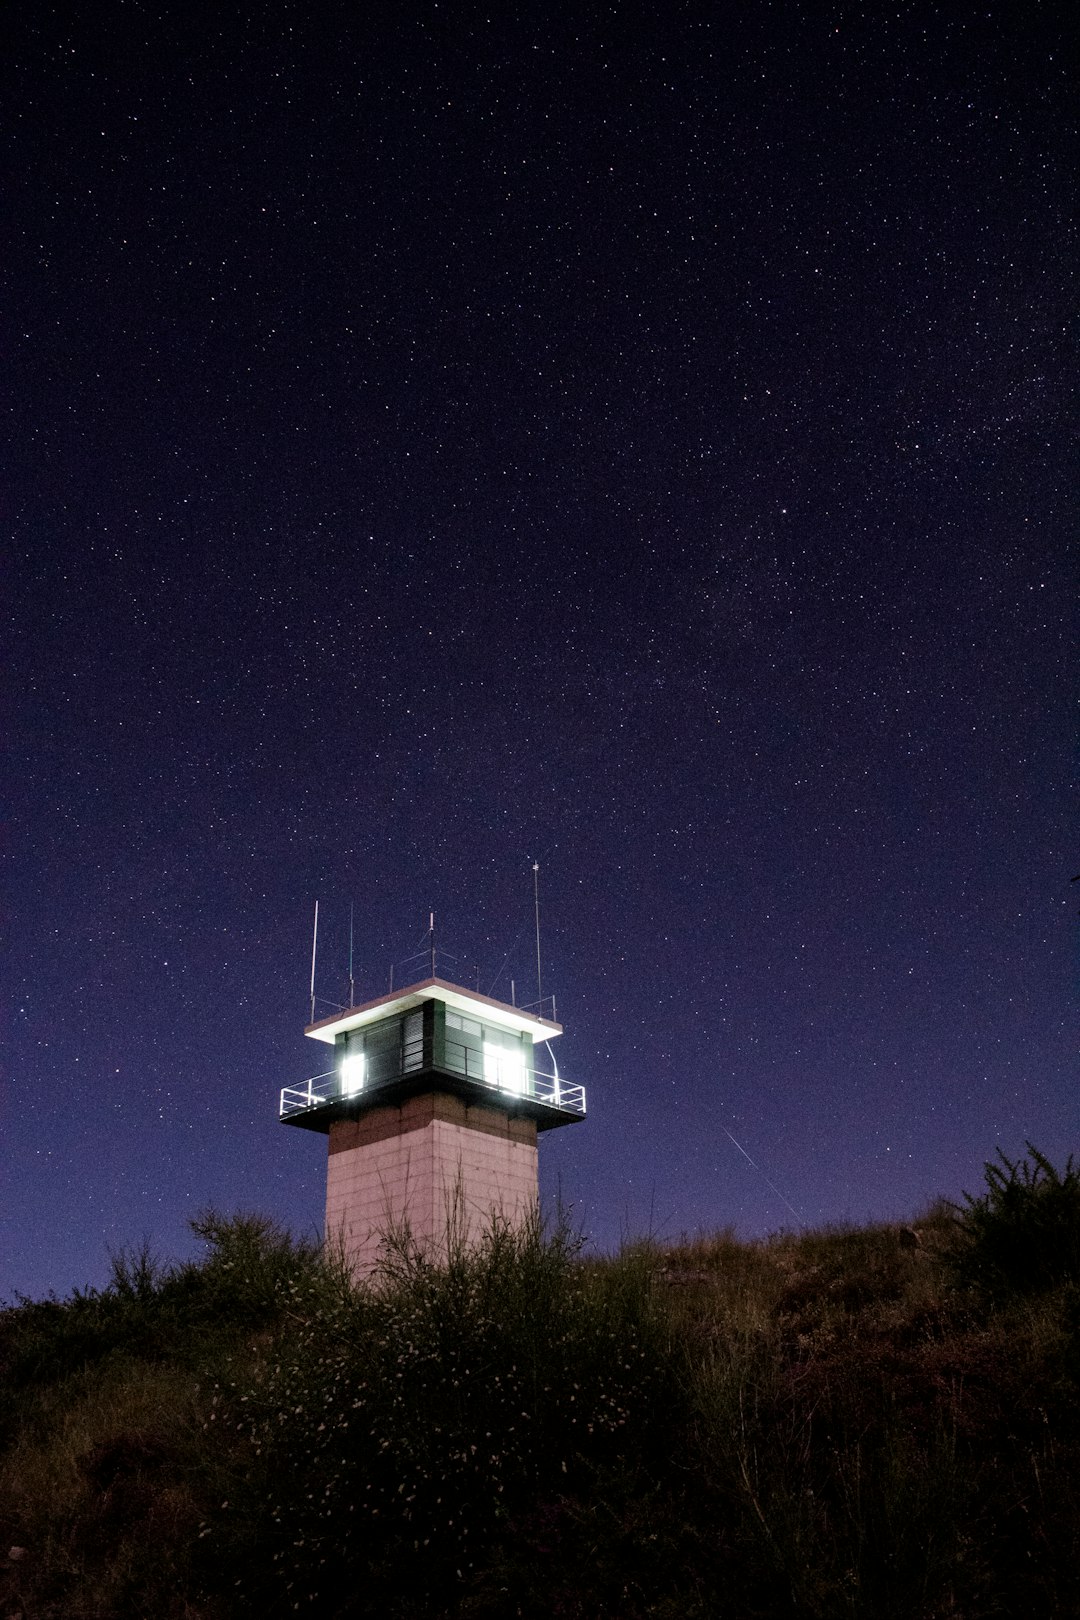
(823, 1425)
(152, 1311)
(1024, 1232)
(435, 1410)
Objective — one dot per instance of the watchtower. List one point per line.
(432, 1108)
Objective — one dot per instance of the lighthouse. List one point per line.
(432, 1103)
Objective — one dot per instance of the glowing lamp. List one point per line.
(505, 1069)
(352, 1074)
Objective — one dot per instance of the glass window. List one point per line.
(504, 1066)
(467, 1026)
(412, 1049)
(353, 1073)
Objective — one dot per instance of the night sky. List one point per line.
(448, 437)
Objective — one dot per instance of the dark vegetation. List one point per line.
(877, 1422)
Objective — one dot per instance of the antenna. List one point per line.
(431, 940)
(536, 909)
(314, 944)
(352, 982)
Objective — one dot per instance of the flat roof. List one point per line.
(454, 995)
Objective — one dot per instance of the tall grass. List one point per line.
(842, 1423)
(408, 1430)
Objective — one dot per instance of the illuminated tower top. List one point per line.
(435, 1037)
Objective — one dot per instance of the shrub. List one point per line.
(821, 1426)
(1023, 1233)
(197, 1311)
(410, 1429)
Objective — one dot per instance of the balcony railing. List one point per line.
(534, 1084)
(323, 1088)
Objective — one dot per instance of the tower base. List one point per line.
(436, 1164)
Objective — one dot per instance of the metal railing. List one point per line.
(550, 1088)
(537, 1086)
(323, 1088)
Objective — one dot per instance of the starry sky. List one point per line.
(635, 439)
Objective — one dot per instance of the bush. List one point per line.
(821, 1426)
(151, 1311)
(409, 1430)
(1023, 1233)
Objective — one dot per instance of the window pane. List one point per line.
(412, 1051)
(353, 1073)
(505, 1067)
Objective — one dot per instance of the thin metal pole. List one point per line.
(314, 944)
(352, 982)
(431, 940)
(536, 909)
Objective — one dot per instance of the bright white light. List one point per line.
(505, 1069)
(352, 1074)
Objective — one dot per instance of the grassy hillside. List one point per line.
(868, 1422)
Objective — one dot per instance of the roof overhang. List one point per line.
(465, 1001)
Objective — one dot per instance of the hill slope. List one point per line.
(843, 1423)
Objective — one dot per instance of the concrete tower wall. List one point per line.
(436, 1161)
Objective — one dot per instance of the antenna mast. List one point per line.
(431, 940)
(536, 911)
(352, 982)
(314, 944)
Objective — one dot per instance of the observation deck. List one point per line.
(434, 1036)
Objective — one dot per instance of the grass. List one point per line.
(849, 1422)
